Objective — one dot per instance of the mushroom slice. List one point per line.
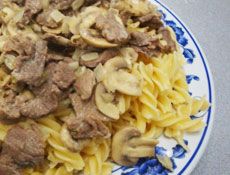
(123, 82)
(58, 39)
(95, 41)
(121, 103)
(104, 105)
(128, 146)
(115, 64)
(100, 73)
(165, 161)
(130, 55)
(87, 34)
(70, 143)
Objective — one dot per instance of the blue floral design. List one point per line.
(151, 166)
(179, 152)
(189, 78)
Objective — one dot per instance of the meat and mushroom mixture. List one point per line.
(76, 51)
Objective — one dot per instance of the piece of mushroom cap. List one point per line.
(58, 40)
(88, 37)
(130, 55)
(70, 143)
(119, 79)
(123, 82)
(115, 64)
(128, 146)
(104, 102)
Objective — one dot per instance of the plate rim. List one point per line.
(205, 136)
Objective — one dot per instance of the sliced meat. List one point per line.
(86, 107)
(32, 7)
(29, 69)
(44, 19)
(24, 146)
(143, 43)
(46, 101)
(152, 20)
(112, 29)
(140, 39)
(63, 76)
(170, 42)
(87, 128)
(10, 106)
(148, 51)
(153, 46)
(19, 45)
(61, 4)
(104, 57)
(85, 83)
(7, 167)
(8, 170)
(39, 107)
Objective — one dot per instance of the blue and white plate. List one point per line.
(200, 83)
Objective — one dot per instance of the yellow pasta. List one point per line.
(165, 104)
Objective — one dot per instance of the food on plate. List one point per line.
(87, 84)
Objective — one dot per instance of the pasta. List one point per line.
(136, 78)
(165, 104)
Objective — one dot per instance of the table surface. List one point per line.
(209, 21)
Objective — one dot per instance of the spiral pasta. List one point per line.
(165, 105)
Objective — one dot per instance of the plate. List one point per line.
(200, 83)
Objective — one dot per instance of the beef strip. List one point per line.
(44, 19)
(63, 76)
(141, 39)
(111, 28)
(8, 170)
(87, 128)
(10, 105)
(103, 57)
(29, 69)
(152, 46)
(32, 7)
(19, 45)
(143, 43)
(88, 122)
(46, 101)
(85, 83)
(171, 44)
(23, 147)
(59, 76)
(84, 108)
(61, 4)
(152, 20)
(7, 167)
